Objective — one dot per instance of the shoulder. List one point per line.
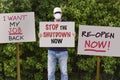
(51, 20)
(63, 20)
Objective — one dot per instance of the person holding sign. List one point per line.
(57, 53)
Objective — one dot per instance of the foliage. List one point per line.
(33, 59)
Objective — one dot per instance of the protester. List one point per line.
(59, 54)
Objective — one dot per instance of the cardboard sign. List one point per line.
(17, 27)
(99, 40)
(57, 34)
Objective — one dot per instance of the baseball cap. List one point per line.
(57, 9)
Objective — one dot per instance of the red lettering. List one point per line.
(102, 44)
(51, 26)
(4, 18)
(14, 31)
(93, 45)
(87, 43)
(20, 17)
(57, 34)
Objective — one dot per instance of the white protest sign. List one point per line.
(57, 34)
(99, 40)
(17, 27)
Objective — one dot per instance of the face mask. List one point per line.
(57, 16)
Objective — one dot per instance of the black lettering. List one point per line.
(14, 24)
(11, 38)
(97, 34)
(56, 41)
(84, 33)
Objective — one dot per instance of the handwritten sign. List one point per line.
(99, 40)
(57, 34)
(17, 27)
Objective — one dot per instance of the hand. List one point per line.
(39, 35)
(74, 34)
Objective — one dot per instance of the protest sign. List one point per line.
(57, 34)
(99, 40)
(17, 27)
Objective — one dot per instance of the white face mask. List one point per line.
(57, 16)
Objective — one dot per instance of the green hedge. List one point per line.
(33, 59)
